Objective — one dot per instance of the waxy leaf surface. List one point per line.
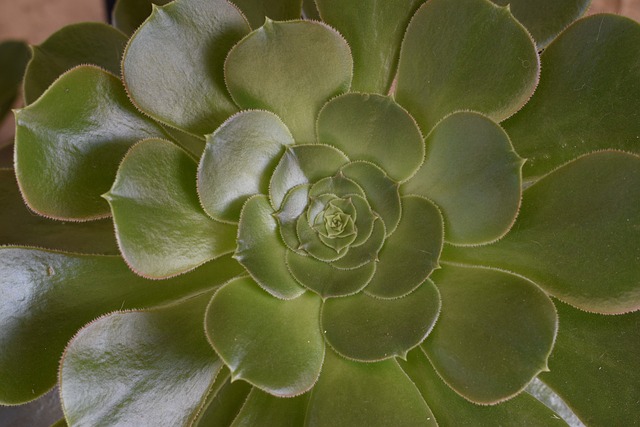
(577, 234)
(450, 409)
(247, 326)
(508, 322)
(238, 161)
(465, 55)
(366, 328)
(224, 401)
(367, 127)
(594, 365)
(84, 43)
(280, 10)
(173, 64)
(472, 173)
(584, 102)
(374, 30)
(291, 68)
(261, 408)
(65, 161)
(46, 296)
(163, 361)
(352, 393)
(161, 227)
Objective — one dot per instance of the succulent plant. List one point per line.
(398, 213)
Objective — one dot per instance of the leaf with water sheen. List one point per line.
(291, 68)
(351, 393)
(577, 234)
(161, 227)
(46, 296)
(163, 362)
(173, 64)
(367, 127)
(472, 173)
(494, 334)
(238, 161)
(465, 55)
(583, 103)
(66, 160)
(247, 326)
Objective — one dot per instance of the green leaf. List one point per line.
(303, 164)
(374, 30)
(238, 161)
(45, 298)
(70, 141)
(411, 253)
(22, 227)
(450, 409)
(583, 103)
(367, 127)
(326, 280)
(14, 56)
(261, 408)
(128, 15)
(367, 252)
(162, 361)
(494, 334)
(224, 401)
(44, 411)
(278, 10)
(312, 244)
(292, 207)
(84, 43)
(472, 173)
(161, 228)
(261, 251)
(594, 365)
(309, 10)
(465, 55)
(190, 38)
(365, 394)
(545, 18)
(577, 234)
(247, 326)
(380, 190)
(365, 328)
(291, 68)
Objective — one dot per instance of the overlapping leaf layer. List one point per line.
(325, 221)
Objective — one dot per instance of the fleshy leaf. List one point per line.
(238, 161)
(365, 394)
(190, 38)
(67, 160)
(450, 409)
(381, 191)
(278, 10)
(162, 230)
(365, 328)
(583, 103)
(14, 56)
(357, 256)
(577, 234)
(311, 242)
(411, 253)
(494, 333)
(303, 164)
(45, 299)
(594, 365)
(374, 30)
(84, 43)
(465, 55)
(545, 18)
(247, 326)
(318, 67)
(309, 10)
(367, 127)
(261, 251)
(292, 207)
(162, 361)
(224, 401)
(128, 15)
(22, 227)
(328, 281)
(472, 173)
(44, 411)
(261, 408)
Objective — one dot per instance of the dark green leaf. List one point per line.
(263, 409)
(224, 401)
(14, 56)
(277, 10)
(128, 15)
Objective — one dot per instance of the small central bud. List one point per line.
(335, 222)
